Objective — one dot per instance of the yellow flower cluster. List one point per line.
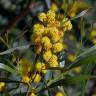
(93, 36)
(25, 67)
(47, 38)
(77, 69)
(2, 84)
(40, 67)
(71, 57)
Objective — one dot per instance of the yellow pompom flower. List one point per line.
(36, 78)
(77, 69)
(50, 16)
(54, 34)
(57, 47)
(71, 57)
(55, 38)
(47, 46)
(53, 61)
(2, 84)
(38, 29)
(46, 43)
(47, 55)
(53, 30)
(93, 36)
(66, 26)
(54, 7)
(72, 14)
(41, 67)
(54, 23)
(25, 79)
(59, 94)
(42, 17)
(38, 66)
(45, 39)
(93, 33)
(37, 40)
(44, 68)
(46, 31)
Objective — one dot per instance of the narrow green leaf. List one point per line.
(8, 69)
(14, 49)
(68, 81)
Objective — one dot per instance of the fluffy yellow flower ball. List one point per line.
(2, 84)
(66, 26)
(57, 47)
(55, 38)
(36, 78)
(71, 57)
(93, 36)
(38, 29)
(54, 7)
(46, 43)
(77, 69)
(50, 16)
(47, 55)
(53, 61)
(53, 30)
(59, 94)
(93, 33)
(38, 66)
(45, 39)
(25, 79)
(47, 46)
(42, 17)
(43, 68)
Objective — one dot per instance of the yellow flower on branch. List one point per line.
(44, 68)
(57, 47)
(38, 29)
(50, 16)
(54, 7)
(25, 79)
(38, 66)
(93, 36)
(2, 84)
(77, 69)
(47, 55)
(53, 61)
(42, 17)
(36, 78)
(66, 26)
(41, 67)
(71, 57)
